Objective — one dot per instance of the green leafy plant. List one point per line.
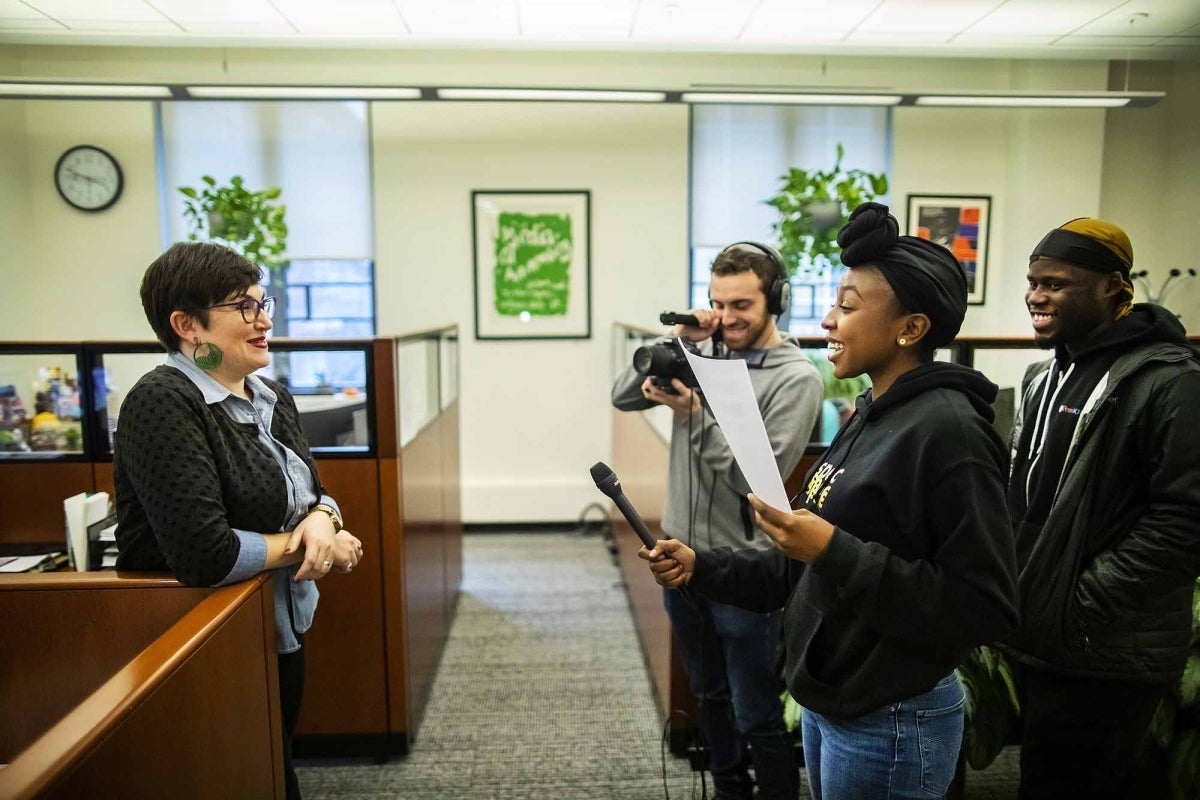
(72, 439)
(849, 388)
(1176, 726)
(991, 708)
(993, 714)
(249, 221)
(813, 204)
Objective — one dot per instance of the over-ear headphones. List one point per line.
(779, 294)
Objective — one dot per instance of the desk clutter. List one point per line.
(91, 542)
(38, 562)
(51, 423)
(91, 531)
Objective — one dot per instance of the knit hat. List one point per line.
(926, 277)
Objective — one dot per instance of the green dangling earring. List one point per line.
(210, 358)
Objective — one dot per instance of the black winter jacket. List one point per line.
(1106, 583)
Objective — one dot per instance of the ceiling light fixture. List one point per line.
(302, 93)
(83, 91)
(33, 89)
(1042, 100)
(781, 98)
(574, 95)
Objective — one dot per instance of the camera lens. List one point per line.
(655, 359)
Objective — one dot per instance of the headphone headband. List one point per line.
(779, 293)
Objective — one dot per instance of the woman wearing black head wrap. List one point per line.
(900, 558)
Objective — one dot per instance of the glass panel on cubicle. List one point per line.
(40, 404)
(449, 367)
(113, 375)
(330, 387)
(417, 366)
(333, 402)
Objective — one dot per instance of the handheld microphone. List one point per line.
(607, 482)
(671, 318)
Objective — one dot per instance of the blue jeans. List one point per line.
(730, 657)
(908, 749)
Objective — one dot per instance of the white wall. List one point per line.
(1040, 167)
(535, 415)
(14, 216)
(75, 274)
(1152, 181)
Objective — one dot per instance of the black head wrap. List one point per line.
(926, 277)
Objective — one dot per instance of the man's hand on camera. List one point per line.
(709, 322)
(684, 402)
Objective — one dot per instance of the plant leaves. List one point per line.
(1162, 726)
(809, 244)
(988, 710)
(1189, 683)
(1183, 766)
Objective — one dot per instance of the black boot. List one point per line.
(773, 755)
(734, 784)
(726, 756)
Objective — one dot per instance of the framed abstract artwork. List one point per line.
(959, 222)
(532, 264)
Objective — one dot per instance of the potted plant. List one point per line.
(813, 204)
(1172, 747)
(1175, 730)
(249, 221)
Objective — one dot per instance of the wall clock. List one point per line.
(88, 178)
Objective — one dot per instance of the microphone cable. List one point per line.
(698, 739)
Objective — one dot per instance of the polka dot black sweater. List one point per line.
(185, 474)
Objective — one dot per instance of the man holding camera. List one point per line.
(730, 652)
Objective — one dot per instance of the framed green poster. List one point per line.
(532, 264)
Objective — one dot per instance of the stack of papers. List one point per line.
(34, 563)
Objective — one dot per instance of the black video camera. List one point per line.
(663, 361)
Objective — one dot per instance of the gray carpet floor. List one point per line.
(542, 693)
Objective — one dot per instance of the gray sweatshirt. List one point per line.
(710, 509)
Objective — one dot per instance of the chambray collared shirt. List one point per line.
(295, 602)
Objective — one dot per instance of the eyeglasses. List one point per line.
(250, 308)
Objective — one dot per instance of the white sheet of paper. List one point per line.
(726, 387)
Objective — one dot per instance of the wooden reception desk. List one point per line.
(133, 686)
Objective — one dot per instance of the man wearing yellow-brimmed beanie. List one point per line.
(1104, 494)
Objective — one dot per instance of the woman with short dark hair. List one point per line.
(213, 475)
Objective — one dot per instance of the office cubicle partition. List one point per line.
(385, 429)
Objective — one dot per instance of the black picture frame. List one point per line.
(532, 264)
(962, 223)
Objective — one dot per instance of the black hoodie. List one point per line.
(921, 567)
(1046, 437)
